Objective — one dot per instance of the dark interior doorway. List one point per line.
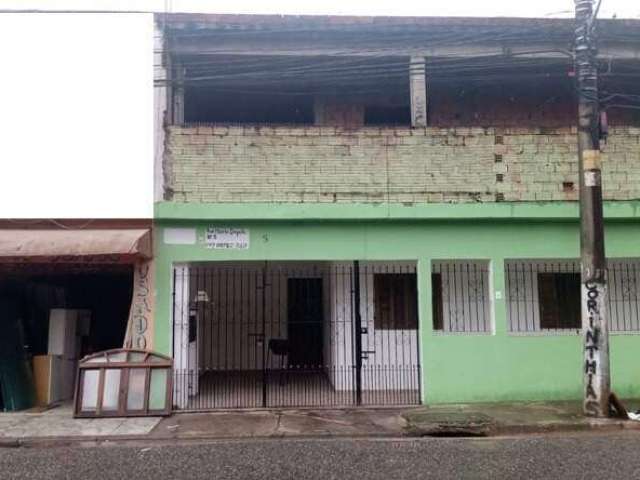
(29, 293)
(106, 293)
(304, 324)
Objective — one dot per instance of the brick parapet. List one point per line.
(248, 163)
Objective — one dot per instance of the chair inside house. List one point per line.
(280, 347)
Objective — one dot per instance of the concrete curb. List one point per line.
(496, 429)
(66, 441)
(46, 442)
(411, 431)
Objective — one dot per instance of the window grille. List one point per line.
(460, 296)
(396, 301)
(544, 295)
(623, 297)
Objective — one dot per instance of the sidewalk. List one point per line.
(284, 423)
(57, 427)
(58, 423)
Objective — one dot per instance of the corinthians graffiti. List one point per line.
(593, 345)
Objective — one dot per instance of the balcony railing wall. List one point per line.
(310, 164)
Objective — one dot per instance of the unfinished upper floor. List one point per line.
(362, 109)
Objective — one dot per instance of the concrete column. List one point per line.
(498, 296)
(178, 94)
(161, 110)
(425, 326)
(181, 347)
(418, 91)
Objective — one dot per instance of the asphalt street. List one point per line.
(583, 456)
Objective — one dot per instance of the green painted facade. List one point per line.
(456, 367)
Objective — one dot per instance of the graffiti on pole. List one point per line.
(596, 374)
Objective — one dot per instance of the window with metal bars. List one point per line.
(460, 296)
(623, 295)
(436, 301)
(559, 300)
(396, 301)
(544, 295)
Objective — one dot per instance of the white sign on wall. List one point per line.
(227, 238)
(180, 236)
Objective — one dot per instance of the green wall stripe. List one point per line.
(623, 210)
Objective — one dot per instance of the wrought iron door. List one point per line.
(252, 334)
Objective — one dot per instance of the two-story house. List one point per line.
(380, 211)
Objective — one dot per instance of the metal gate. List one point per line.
(256, 334)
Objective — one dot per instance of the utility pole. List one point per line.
(594, 281)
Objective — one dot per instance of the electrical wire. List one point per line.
(377, 57)
(332, 70)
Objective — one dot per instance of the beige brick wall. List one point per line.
(328, 164)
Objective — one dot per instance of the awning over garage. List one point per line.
(70, 246)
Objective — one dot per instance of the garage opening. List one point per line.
(295, 334)
(51, 316)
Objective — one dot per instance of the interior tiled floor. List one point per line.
(287, 388)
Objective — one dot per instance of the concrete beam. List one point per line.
(278, 47)
(559, 211)
(161, 110)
